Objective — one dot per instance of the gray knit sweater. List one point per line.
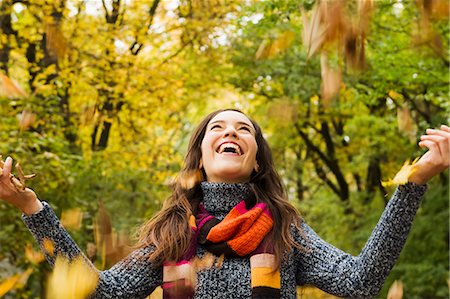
(323, 265)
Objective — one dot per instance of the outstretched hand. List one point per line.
(25, 200)
(436, 159)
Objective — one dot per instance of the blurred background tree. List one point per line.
(99, 99)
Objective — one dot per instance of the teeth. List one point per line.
(232, 145)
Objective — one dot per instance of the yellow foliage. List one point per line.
(71, 280)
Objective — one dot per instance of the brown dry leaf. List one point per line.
(396, 290)
(91, 251)
(406, 123)
(365, 10)
(314, 32)
(26, 120)
(10, 88)
(72, 219)
(8, 284)
(111, 246)
(48, 246)
(35, 257)
(283, 111)
(263, 50)
(401, 178)
(334, 18)
(331, 80)
(71, 280)
(55, 40)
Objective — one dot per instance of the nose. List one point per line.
(230, 131)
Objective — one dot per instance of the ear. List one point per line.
(256, 168)
(200, 164)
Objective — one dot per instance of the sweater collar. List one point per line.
(222, 197)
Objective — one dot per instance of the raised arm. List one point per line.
(133, 277)
(342, 274)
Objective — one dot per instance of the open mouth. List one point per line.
(229, 147)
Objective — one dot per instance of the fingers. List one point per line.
(7, 167)
(438, 142)
(445, 128)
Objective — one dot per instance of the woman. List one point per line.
(229, 201)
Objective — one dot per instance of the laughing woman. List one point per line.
(229, 201)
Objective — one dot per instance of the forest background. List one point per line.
(99, 99)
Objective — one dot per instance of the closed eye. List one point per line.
(245, 128)
(216, 127)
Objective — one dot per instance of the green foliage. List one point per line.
(113, 96)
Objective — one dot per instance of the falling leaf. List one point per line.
(269, 49)
(26, 120)
(10, 88)
(111, 246)
(23, 278)
(396, 290)
(395, 95)
(401, 178)
(72, 219)
(282, 111)
(406, 123)
(313, 33)
(8, 284)
(48, 246)
(71, 280)
(331, 80)
(35, 257)
(263, 50)
(91, 251)
(55, 40)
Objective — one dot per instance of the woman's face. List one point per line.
(229, 148)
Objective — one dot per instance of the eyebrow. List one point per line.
(239, 122)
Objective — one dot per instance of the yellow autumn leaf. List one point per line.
(71, 219)
(8, 284)
(49, 247)
(23, 279)
(71, 280)
(401, 178)
(35, 257)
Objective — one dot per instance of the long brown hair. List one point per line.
(169, 231)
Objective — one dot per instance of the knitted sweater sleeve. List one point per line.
(344, 275)
(133, 277)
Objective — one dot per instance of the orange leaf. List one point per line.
(10, 88)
